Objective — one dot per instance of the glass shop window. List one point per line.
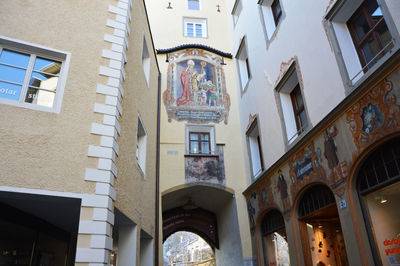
(379, 186)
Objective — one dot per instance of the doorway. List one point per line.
(320, 228)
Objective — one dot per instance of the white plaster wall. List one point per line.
(394, 8)
(299, 34)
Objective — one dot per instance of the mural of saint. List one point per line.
(330, 149)
(196, 90)
(283, 189)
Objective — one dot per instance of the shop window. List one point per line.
(292, 105)
(378, 186)
(255, 151)
(271, 11)
(141, 146)
(193, 4)
(195, 27)
(200, 139)
(361, 32)
(321, 233)
(243, 64)
(30, 76)
(275, 245)
(146, 60)
(237, 9)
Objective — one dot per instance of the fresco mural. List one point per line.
(196, 90)
(328, 158)
(208, 169)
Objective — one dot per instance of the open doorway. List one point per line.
(321, 233)
(185, 248)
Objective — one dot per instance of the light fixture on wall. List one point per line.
(218, 8)
(383, 199)
(222, 61)
(167, 58)
(169, 5)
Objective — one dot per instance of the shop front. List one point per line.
(333, 198)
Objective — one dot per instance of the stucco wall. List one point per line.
(48, 150)
(135, 190)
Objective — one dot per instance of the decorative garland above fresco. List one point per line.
(196, 89)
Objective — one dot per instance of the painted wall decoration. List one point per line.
(329, 156)
(196, 89)
(208, 169)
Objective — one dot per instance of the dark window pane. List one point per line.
(12, 74)
(303, 119)
(204, 136)
(384, 34)
(299, 99)
(370, 49)
(10, 91)
(361, 26)
(40, 97)
(14, 58)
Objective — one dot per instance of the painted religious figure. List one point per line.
(282, 187)
(196, 90)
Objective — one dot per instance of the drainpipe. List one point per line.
(157, 207)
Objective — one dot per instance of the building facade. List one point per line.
(201, 163)
(78, 100)
(319, 103)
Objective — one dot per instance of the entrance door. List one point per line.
(321, 232)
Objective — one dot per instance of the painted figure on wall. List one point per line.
(283, 189)
(196, 90)
(330, 148)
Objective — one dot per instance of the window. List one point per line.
(193, 4)
(276, 11)
(199, 142)
(369, 33)
(195, 27)
(141, 146)
(31, 76)
(146, 60)
(298, 109)
(237, 9)
(292, 105)
(243, 64)
(378, 186)
(361, 36)
(272, 14)
(255, 151)
(200, 139)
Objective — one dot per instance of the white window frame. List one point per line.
(141, 146)
(243, 65)
(194, 21)
(146, 60)
(200, 129)
(267, 17)
(345, 51)
(237, 9)
(38, 51)
(192, 8)
(253, 146)
(285, 87)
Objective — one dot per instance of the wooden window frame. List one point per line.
(278, 16)
(200, 141)
(297, 109)
(359, 44)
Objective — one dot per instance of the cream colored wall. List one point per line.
(48, 150)
(170, 34)
(135, 191)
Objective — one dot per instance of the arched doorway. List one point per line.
(378, 186)
(186, 248)
(321, 233)
(275, 245)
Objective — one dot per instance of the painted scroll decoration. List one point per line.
(196, 89)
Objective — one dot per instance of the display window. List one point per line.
(275, 245)
(320, 228)
(378, 188)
